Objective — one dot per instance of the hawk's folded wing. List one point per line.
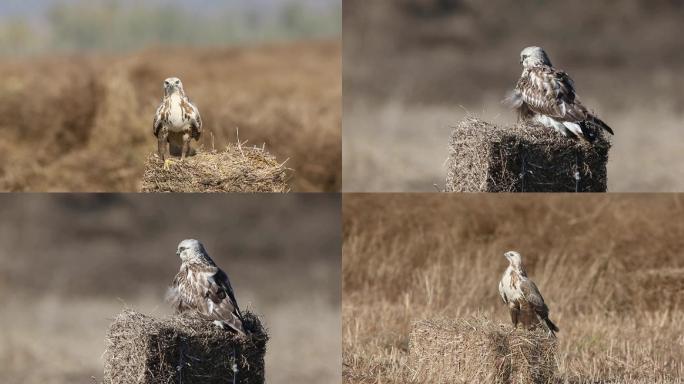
(552, 93)
(537, 306)
(157, 124)
(223, 304)
(502, 292)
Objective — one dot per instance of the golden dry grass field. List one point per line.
(415, 68)
(610, 268)
(83, 122)
(70, 264)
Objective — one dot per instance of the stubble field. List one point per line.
(610, 268)
(83, 122)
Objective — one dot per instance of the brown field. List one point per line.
(610, 268)
(70, 264)
(415, 68)
(83, 123)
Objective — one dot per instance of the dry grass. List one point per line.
(610, 269)
(235, 169)
(89, 129)
(415, 75)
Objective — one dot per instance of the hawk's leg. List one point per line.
(162, 143)
(515, 311)
(163, 147)
(186, 146)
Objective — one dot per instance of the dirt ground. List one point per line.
(84, 123)
(71, 263)
(610, 269)
(414, 68)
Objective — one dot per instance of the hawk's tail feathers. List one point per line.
(551, 325)
(235, 324)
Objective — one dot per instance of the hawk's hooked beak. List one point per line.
(177, 253)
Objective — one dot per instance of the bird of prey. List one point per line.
(176, 122)
(546, 96)
(202, 288)
(521, 295)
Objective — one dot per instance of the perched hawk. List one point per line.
(176, 122)
(547, 96)
(522, 296)
(203, 289)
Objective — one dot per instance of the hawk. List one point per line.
(202, 288)
(524, 301)
(176, 122)
(546, 96)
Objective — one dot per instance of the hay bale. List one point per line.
(475, 350)
(523, 158)
(141, 349)
(236, 169)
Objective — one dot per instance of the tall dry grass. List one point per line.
(84, 123)
(610, 268)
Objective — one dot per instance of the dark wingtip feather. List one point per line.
(603, 125)
(551, 325)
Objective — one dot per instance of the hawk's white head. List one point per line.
(191, 250)
(514, 258)
(534, 57)
(173, 85)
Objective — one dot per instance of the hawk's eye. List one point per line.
(181, 249)
(177, 81)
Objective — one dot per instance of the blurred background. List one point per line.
(82, 80)
(38, 26)
(414, 68)
(70, 264)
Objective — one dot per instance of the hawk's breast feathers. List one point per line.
(178, 115)
(509, 288)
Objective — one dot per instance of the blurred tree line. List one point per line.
(111, 26)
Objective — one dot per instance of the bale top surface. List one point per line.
(235, 169)
(143, 349)
(474, 128)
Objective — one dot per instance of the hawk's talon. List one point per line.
(167, 164)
